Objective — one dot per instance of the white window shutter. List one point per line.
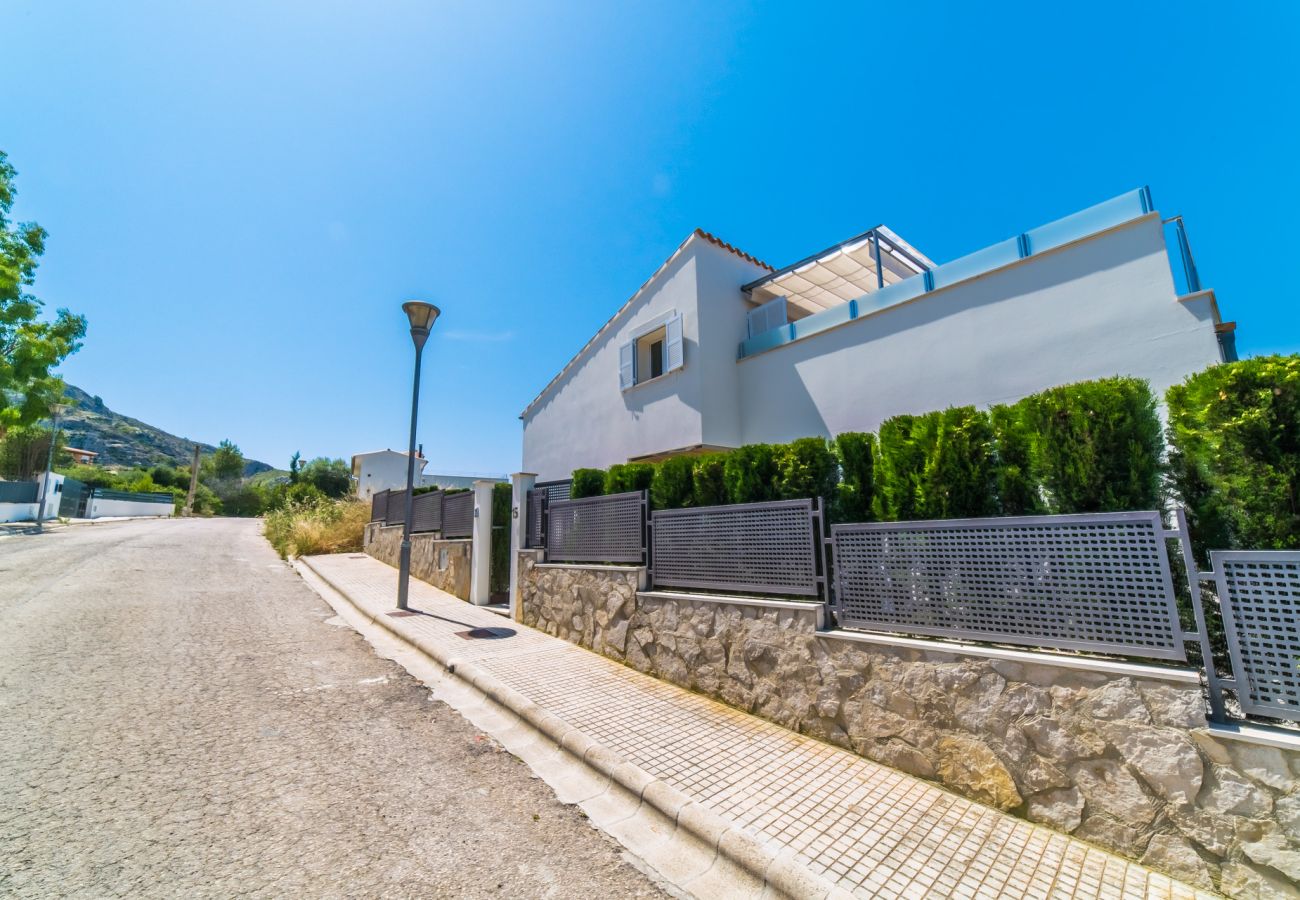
(627, 365)
(674, 353)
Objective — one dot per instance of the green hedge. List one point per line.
(1235, 433)
(630, 477)
(710, 488)
(587, 483)
(1096, 445)
(674, 483)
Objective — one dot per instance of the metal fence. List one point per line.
(395, 514)
(1259, 599)
(426, 512)
(19, 491)
(608, 529)
(458, 515)
(767, 548)
(379, 506)
(1098, 582)
(535, 519)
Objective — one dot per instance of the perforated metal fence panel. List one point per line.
(761, 548)
(134, 496)
(607, 529)
(19, 491)
(378, 506)
(533, 523)
(458, 515)
(395, 514)
(426, 512)
(556, 490)
(1098, 582)
(1259, 595)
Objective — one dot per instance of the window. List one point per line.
(656, 351)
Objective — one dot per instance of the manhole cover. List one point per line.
(402, 613)
(485, 634)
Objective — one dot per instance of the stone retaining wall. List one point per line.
(444, 564)
(1118, 754)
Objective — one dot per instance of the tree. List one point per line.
(227, 462)
(295, 462)
(331, 477)
(29, 347)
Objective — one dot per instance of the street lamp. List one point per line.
(422, 316)
(55, 409)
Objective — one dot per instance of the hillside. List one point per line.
(123, 441)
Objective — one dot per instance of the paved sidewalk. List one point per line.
(861, 828)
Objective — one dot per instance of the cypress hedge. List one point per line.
(855, 451)
(622, 478)
(587, 483)
(959, 479)
(1235, 432)
(674, 483)
(904, 444)
(1097, 445)
(750, 473)
(710, 488)
(1017, 488)
(806, 468)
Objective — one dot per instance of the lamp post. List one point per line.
(55, 409)
(422, 316)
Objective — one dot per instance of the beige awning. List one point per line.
(841, 273)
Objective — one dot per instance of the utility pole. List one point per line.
(194, 484)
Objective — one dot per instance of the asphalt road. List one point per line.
(180, 715)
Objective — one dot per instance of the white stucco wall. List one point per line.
(1103, 306)
(17, 512)
(101, 508)
(383, 471)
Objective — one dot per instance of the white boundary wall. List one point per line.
(99, 509)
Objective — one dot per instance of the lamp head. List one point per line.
(422, 316)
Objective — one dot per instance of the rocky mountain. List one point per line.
(123, 441)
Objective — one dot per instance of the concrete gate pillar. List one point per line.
(521, 484)
(480, 572)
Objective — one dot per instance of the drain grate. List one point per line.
(485, 634)
(402, 613)
(357, 556)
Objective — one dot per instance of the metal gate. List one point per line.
(73, 499)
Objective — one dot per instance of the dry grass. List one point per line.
(308, 529)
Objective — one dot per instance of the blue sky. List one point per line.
(239, 195)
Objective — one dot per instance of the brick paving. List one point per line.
(872, 830)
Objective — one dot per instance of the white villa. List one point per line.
(718, 349)
(383, 470)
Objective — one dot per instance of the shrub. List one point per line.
(499, 549)
(1097, 445)
(629, 477)
(1235, 429)
(750, 473)
(904, 444)
(806, 468)
(674, 483)
(960, 478)
(310, 528)
(707, 477)
(855, 451)
(1017, 489)
(587, 483)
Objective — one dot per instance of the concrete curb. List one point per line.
(742, 864)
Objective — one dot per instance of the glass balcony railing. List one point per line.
(1084, 223)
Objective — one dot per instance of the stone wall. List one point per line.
(1118, 754)
(444, 564)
